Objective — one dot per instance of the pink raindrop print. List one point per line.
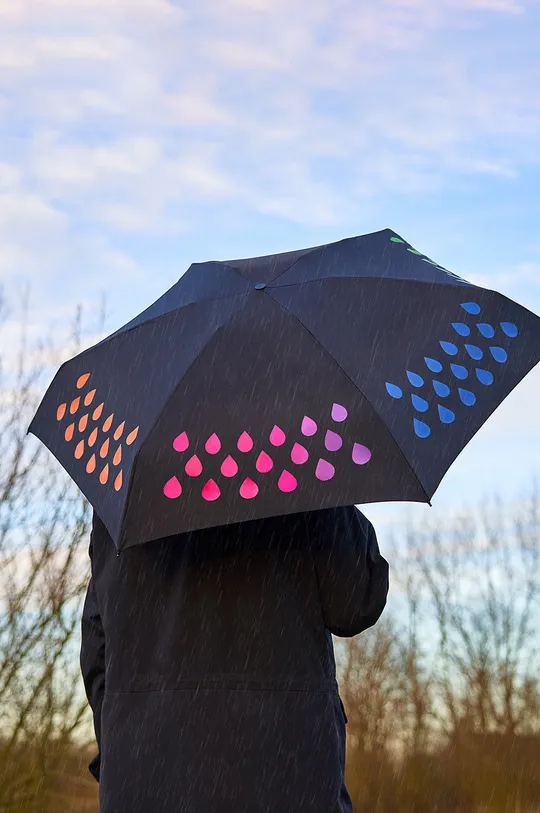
(81, 381)
(61, 411)
(299, 454)
(339, 413)
(210, 491)
(309, 427)
(277, 436)
(264, 463)
(287, 482)
(361, 454)
(172, 488)
(249, 489)
(193, 466)
(332, 441)
(213, 444)
(245, 443)
(229, 467)
(324, 470)
(181, 442)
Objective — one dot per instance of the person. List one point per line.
(208, 662)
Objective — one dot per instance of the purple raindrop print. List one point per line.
(324, 470)
(287, 482)
(339, 413)
(309, 427)
(299, 454)
(361, 454)
(277, 436)
(213, 444)
(249, 489)
(193, 466)
(332, 441)
(245, 443)
(264, 463)
(229, 467)
(181, 442)
(210, 491)
(172, 488)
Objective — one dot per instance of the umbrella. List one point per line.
(348, 373)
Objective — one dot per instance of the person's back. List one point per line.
(208, 660)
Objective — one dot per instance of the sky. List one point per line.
(139, 136)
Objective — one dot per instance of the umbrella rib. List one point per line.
(359, 390)
(386, 279)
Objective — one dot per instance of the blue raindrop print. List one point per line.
(486, 330)
(449, 348)
(461, 328)
(419, 403)
(468, 397)
(499, 354)
(471, 307)
(510, 329)
(394, 391)
(421, 429)
(484, 377)
(441, 389)
(446, 415)
(460, 372)
(433, 365)
(474, 352)
(416, 380)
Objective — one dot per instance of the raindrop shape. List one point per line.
(117, 455)
(499, 354)
(325, 470)
(118, 431)
(61, 411)
(104, 474)
(449, 348)
(394, 391)
(309, 427)
(277, 436)
(287, 482)
(460, 372)
(461, 328)
(245, 443)
(332, 441)
(91, 465)
(249, 489)
(132, 435)
(419, 403)
(172, 488)
(213, 444)
(446, 415)
(81, 381)
(79, 449)
(510, 329)
(299, 455)
(83, 423)
(468, 397)
(181, 442)
(96, 414)
(339, 413)
(118, 481)
(210, 491)
(89, 397)
(264, 463)
(68, 434)
(441, 389)
(361, 454)
(434, 365)
(104, 451)
(416, 380)
(229, 467)
(396, 240)
(93, 437)
(486, 330)
(74, 406)
(193, 466)
(108, 423)
(474, 352)
(421, 429)
(471, 307)
(484, 377)
(414, 251)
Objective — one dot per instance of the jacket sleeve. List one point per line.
(351, 573)
(92, 659)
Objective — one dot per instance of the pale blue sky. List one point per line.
(138, 136)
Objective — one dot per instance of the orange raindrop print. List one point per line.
(117, 455)
(83, 423)
(118, 431)
(89, 397)
(118, 481)
(108, 423)
(68, 434)
(79, 449)
(82, 380)
(93, 437)
(96, 414)
(61, 411)
(104, 451)
(104, 475)
(132, 435)
(91, 465)
(75, 405)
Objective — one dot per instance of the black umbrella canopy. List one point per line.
(352, 372)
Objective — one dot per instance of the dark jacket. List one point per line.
(208, 661)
